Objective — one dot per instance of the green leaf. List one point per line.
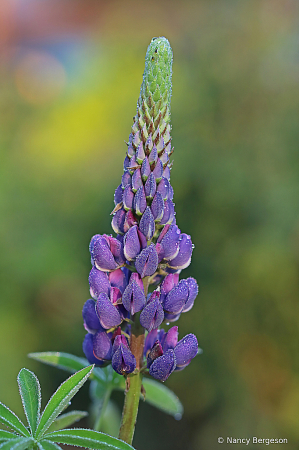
(47, 445)
(88, 438)
(162, 398)
(8, 418)
(31, 397)
(66, 420)
(61, 398)
(19, 443)
(69, 362)
(5, 435)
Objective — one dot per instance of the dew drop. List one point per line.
(167, 323)
(178, 416)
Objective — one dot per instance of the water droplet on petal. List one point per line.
(178, 416)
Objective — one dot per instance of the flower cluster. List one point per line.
(149, 249)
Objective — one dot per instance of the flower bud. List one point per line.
(88, 350)
(147, 224)
(147, 261)
(185, 350)
(118, 221)
(152, 314)
(157, 207)
(123, 360)
(154, 353)
(158, 170)
(136, 180)
(117, 278)
(118, 195)
(102, 347)
(133, 298)
(140, 201)
(183, 258)
(163, 188)
(108, 314)
(170, 339)
(169, 240)
(150, 186)
(134, 242)
(128, 198)
(163, 366)
(145, 169)
(193, 291)
(98, 282)
(176, 298)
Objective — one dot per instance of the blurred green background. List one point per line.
(70, 77)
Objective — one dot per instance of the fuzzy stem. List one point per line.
(134, 380)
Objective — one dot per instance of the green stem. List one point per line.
(134, 380)
(99, 419)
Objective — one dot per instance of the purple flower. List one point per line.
(91, 320)
(123, 360)
(108, 314)
(106, 252)
(152, 314)
(134, 242)
(183, 258)
(147, 224)
(147, 261)
(185, 350)
(102, 347)
(88, 350)
(163, 366)
(133, 298)
(169, 242)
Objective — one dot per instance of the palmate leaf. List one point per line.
(88, 439)
(69, 362)
(162, 398)
(61, 398)
(47, 445)
(157, 394)
(6, 435)
(19, 443)
(65, 420)
(30, 392)
(8, 418)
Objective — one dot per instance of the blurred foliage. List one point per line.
(70, 79)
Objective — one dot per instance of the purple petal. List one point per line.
(98, 282)
(183, 259)
(88, 350)
(158, 170)
(169, 282)
(91, 320)
(119, 339)
(166, 173)
(140, 201)
(130, 221)
(176, 298)
(123, 360)
(133, 298)
(163, 188)
(126, 179)
(168, 212)
(160, 144)
(128, 197)
(147, 224)
(102, 347)
(102, 255)
(157, 207)
(145, 169)
(147, 261)
(137, 278)
(149, 143)
(107, 313)
(117, 278)
(131, 151)
(171, 317)
(118, 221)
(136, 180)
(154, 353)
(116, 248)
(150, 186)
(153, 157)
(163, 366)
(140, 155)
(126, 162)
(150, 339)
(132, 245)
(170, 193)
(152, 315)
(118, 195)
(193, 291)
(170, 339)
(185, 350)
(170, 243)
(115, 295)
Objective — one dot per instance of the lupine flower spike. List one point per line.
(148, 249)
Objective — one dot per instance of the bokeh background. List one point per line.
(70, 77)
